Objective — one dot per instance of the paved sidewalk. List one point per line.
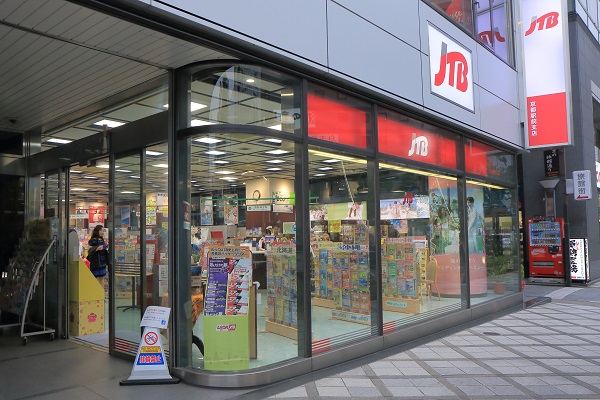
(550, 351)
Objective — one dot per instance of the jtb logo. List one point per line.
(418, 146)
(486, 36)
(546, 21)
(458, 69)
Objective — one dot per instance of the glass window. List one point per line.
(411, 139)
(493, 241)
(420, 233)
(459, 10)
(487, 161)
(246, 95)
(243, 271)
(338, 118)
(339, 237)
(492, 26)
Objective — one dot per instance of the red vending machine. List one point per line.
(546, 247)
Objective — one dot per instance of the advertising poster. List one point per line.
(206, 213)
(344, 211)
(231, 214)
(125, 216)
(227, 300)
(409, 207)
(96, 215)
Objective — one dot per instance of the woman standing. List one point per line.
(98, 254)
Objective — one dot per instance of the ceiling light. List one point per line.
(489, 185)
(105, 166)
(165, 173)
(276, 152)
(247, 172)
(276, 127)
(193, 181)
(220, 162)
(200, 122)
(325, 168)
(123, 170)
(285, 94)
(214, 152)
(229, 178)
(416, 171)
(196, 106)
(109, 123)
(250, 80)
(275, 161)
(104, 183)
(59, 141)
(233, 185)
(208, 140)
(225, 172)
(134, 176)
(319, 174)
(78, 189)
(75, 171)
(127, 192)
(331, 161)
(278, 141)
(274, 169)
(161, 165)
(153, 153)
(336, 156)
(89, 177)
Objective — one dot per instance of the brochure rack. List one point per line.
(20, 283)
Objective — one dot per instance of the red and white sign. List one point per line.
(582, 186)
(546, 65)
(450, 67)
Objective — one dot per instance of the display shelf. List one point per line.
(402, 304)
(282, 305)
(281, 330)
(359, 318)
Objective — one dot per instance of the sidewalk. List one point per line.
(544, 352)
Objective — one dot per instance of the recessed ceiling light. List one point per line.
(200, 122)
(325, 168)
(196, 106)
(285, 94)
(109, 123)
(319, 174)
(250, 80)
(75, 171)
(275, 161)
(153, 153)
(220, 162)
(90, 177)
(134, 176)
(161, 165)
(276, 152)
(331, 161)
(76, 189)
(59, 141)
(127, 192)
(273, 141)
(123, 170)
(104, 183)
(215, 152)
(229, 178)
(225, 172)
(274, 169)
(208, 140)
(193, 181)
(233, 185)
(276, 127)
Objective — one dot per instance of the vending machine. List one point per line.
(546, 247)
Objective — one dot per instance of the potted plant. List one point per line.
(497, 267)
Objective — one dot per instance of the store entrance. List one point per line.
(86, 300)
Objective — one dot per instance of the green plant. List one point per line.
(498, 265)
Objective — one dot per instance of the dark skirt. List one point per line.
(98, 273)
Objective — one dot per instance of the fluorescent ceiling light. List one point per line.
(325, 168)
(331, 161)
(134, 176)
(489, 185)
(250, 80)
(193, 181)
(220, 162)
(319, 174)
(276, 127)
(196, 106)
(105, 166)
(229, 178)
(225, 172)
(153, 153)
(336, 156)
(104, 182)
(285, 94)
(274, 169)
(76, 189)
(416, 171)
(76, 172)
(276, 152)
(109, 123)
(59, 141)
(200, 122)
(127, 192)
(165, 173)
(275, 161)
(161, 165)
(123, 170)
(247, 172)
(89, 177)
(214, 152)
(273, 141)
(208, 140)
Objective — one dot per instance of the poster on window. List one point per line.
(409, 207)
(96, 215)
(206, 211)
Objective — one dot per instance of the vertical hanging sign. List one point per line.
(546, 60)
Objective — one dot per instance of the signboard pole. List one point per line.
(150, 366)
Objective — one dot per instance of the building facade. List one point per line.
(372, 150)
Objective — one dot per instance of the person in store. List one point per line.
(98, 254)
(262, 244)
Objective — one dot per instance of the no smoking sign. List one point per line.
(150, 338)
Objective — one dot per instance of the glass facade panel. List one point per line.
(245, 95)
(338, 118)
(460, 11)
(339, 239)
(420, 236)
(405, 137)
(488, 161)
(494, 264)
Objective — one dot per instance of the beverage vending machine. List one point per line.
(546, 247)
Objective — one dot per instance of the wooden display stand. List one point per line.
(86, 301)
(282, 330)
(402, 304)
(350, 316)
(321, 302)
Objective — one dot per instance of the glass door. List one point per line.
(127, 252)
